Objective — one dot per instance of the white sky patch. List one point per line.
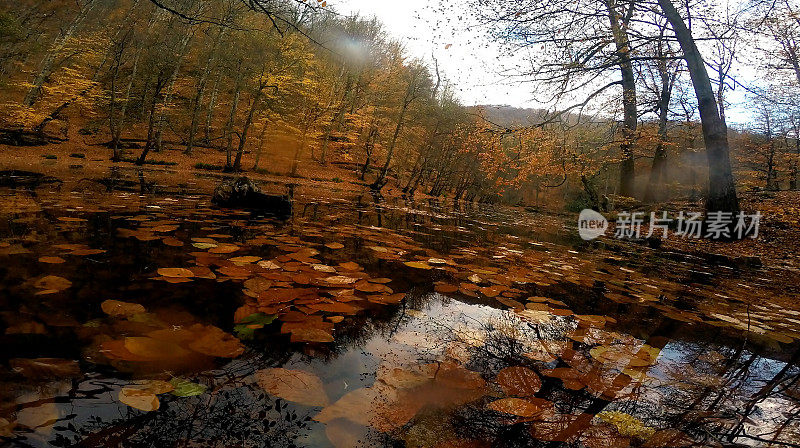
(469, 62)
(468, 59)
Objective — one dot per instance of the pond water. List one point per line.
(147, 320)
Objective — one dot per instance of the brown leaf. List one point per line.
(212, 341)
(175, 272)
(310, 335)
(224, 249)
(297, 386)
(143, 400)
(119, 308)
(53, 283)
(516, 406)
(519, 381)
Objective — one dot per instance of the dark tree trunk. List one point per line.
(229, 128)
(655, 187)
(721, 186)
(627, 170)
(201, 88)
(591, 192)
(237, 163)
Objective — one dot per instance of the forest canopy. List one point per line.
(291, 83)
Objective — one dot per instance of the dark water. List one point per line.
(432, 325)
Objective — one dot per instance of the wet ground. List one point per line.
(150, 318)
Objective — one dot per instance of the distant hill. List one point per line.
(515, 117)
(511, 117)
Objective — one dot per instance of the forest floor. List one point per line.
(73, 163)
(357, 319)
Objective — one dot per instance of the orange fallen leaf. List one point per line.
(119, 308)
(516, 406)
(52, 283)
(297, 386)
(519, 381)
(175, 272)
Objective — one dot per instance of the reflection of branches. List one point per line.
(235, 412)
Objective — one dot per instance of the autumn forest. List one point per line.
(286, 223)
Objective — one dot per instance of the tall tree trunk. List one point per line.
(591, 192)
(627, 171)
(229, 127)
(198, 97)
(795, 169)
(336, 121)
(260, 147)
(381, 179)
(655, 187)
(150, 127)
(721, 187)
(118, 128)
(237, 164)
(46, 67)
(170, 89)
(212, 103)
(369, 147)
(301, 146)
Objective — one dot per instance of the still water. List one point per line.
(131, 319)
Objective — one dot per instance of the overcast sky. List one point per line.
(470, 62)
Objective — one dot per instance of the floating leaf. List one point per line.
(339, 308)
(258, 284)
(212, 341)
(516, 406)
(186, 388)
(350, 266)
(627, 425)
(334, 245)
(175, 272)
(311, 335)
(297, 386)
(119, 308)
(51, 260)
(174, 242)
(84, 252)
(365, 286)
(246, 328)
(51, 284)
(224, 249)
(150, 349)
(323, 268)
(139, 399)
(245, 259)
(266, 264)
(418, 265)
(519, 381)
(445, 288)
(340, 280)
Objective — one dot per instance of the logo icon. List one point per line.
(591, 224)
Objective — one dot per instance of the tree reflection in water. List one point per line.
(500, 344)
